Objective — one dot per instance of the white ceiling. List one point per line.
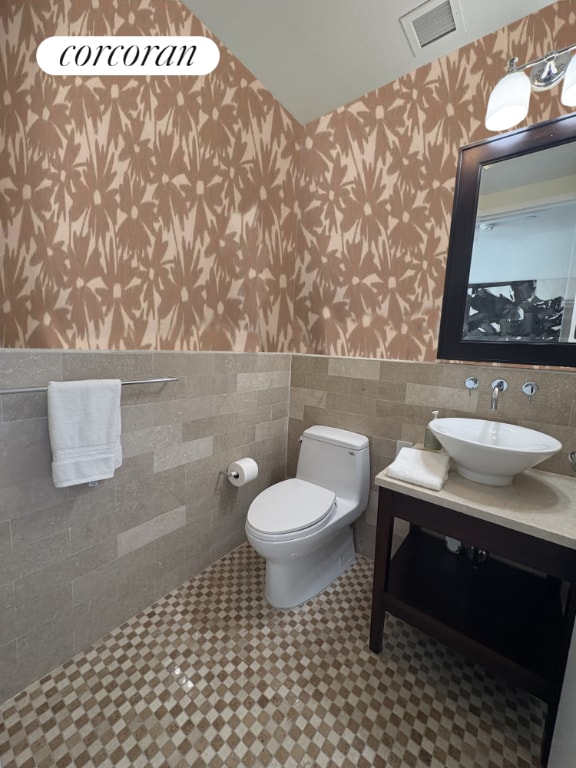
(316, 55)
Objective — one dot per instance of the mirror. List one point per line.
(510, 287)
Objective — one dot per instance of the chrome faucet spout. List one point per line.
(498, 385)
(494, 400)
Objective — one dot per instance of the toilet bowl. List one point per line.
(303, 526)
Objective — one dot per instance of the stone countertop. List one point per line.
(538, 503)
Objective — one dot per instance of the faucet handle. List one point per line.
(530, 388)
(470, 384)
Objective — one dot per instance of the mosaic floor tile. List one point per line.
(211, 676)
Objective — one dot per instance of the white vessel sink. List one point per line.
(492, 452)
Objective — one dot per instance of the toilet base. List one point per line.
(293, 582)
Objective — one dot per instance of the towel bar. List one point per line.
(21, 390)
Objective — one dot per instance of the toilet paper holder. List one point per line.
(228, 474)
(241, 471)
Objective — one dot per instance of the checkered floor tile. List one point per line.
(211, 676)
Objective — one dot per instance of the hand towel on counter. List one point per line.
(426, 468)
(84, 425)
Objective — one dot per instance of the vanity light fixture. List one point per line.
(508, 103)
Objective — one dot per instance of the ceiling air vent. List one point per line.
(429, 22)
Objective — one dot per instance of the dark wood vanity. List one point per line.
(515, 612)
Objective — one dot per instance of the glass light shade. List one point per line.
(568, 96)
(508, 103)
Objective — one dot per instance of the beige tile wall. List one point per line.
(77, 562)
(391, 400)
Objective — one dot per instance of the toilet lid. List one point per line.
(291, 505)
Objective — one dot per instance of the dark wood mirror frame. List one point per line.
(471, 160)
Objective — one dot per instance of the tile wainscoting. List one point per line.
(77, 562)
(388, 401)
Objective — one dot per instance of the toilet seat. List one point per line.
(290, 506)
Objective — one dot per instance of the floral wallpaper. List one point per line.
(378, 181)
(195, 213)
(144, 212)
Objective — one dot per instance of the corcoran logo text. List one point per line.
(87, 55)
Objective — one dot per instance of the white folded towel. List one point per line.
(84, 424)
(426, 468)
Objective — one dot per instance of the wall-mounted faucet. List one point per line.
(498, 385)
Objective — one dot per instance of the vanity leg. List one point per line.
(384, 529)
(549, 723)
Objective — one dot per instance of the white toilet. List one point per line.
(303, 526)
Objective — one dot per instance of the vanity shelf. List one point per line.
(498, 614)
(510, 613)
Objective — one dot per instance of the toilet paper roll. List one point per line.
(242, 471)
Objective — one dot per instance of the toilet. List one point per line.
(303, 526)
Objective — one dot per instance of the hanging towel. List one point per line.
(425, 468)
(84, 425)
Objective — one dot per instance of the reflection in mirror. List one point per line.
(522, 279)
(511, 274)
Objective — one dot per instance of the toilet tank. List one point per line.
(336, 459)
